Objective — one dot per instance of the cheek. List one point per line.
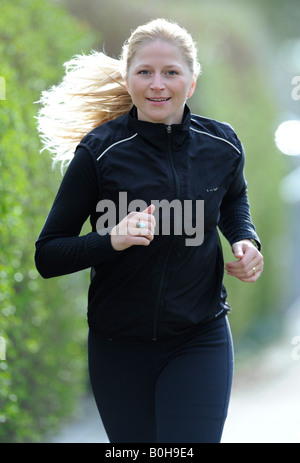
(129, 87)
(134, 88)
(183, 90)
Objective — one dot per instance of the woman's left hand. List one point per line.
(250, 263)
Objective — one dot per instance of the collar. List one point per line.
(155, 132)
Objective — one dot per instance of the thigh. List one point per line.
(123, 387)
(193, 389)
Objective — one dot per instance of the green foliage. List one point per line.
(42, 322)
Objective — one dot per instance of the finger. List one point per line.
(251, 274)
(239, 268)
(150, 209)
(246, 262)
(147, 223)
(251, 279)
(140, 241)
(133, 230)
(147, 231)
(237, 250)
(244, 271)
(146, 214)
(142, 216)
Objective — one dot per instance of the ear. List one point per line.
(192, 87)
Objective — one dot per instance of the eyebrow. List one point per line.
(165, 66)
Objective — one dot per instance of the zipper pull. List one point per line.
(169, 128)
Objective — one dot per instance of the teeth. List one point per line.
(158, 99)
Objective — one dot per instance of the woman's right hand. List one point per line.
(127, 234)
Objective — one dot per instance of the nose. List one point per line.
(157, 82)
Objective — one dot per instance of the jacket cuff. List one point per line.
(99, 248)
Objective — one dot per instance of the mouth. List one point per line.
(158, 100)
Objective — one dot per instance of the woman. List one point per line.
(160, 352)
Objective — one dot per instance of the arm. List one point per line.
(235, 219)
(236, 225)
(59, 248)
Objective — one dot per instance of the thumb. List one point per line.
(149, 209)
(237, 249)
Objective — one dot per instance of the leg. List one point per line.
(193, 389)
(123, 385)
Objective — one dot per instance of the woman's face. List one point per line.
(159, 81)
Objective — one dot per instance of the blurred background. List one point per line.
(250, 57)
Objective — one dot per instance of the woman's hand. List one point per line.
(127, 234)
(249, 265)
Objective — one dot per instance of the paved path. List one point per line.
(264, 408)
(86, 429)
(265, 404)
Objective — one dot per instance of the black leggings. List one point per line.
(174, 390)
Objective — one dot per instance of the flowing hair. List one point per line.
(93, 90)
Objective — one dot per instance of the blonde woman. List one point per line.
(149, 175)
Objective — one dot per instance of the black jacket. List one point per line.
(167, 287)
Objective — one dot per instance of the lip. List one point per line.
(158, 101)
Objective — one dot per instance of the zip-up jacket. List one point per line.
(171, 285)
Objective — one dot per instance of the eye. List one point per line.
(144, 72)
(172, 73)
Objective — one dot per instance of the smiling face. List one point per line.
(159, 81)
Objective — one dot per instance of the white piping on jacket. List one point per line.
(114, 144)
(218, 138)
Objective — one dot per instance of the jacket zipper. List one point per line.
(165, 266)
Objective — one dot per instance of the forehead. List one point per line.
(158, 52)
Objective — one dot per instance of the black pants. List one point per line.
(173, 391)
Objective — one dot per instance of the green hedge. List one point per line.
(42, 322)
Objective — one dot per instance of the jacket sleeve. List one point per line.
(235, 218)
(59, 248)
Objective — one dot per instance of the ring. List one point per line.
(254, 270)
(141, 224)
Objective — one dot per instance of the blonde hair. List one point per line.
(161, 29)
(93, 90)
